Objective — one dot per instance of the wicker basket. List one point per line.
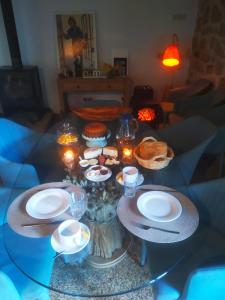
(156, 163)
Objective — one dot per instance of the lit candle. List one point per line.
(127, 152)
(69, 158)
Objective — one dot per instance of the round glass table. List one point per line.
(132, 264)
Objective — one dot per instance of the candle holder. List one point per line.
(67, 135)
(69, 158)
(127, 154)
(68, 145)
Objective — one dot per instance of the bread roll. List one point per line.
(149, 150)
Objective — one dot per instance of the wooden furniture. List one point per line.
(71, 85)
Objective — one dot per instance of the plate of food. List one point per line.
(98, 173)
(107, 156)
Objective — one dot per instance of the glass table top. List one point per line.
(123, 262)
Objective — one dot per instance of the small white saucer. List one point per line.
(119, 178)
(59, 247)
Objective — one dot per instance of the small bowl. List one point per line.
(84, 163)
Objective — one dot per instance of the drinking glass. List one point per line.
(78, 204)
(130, 178)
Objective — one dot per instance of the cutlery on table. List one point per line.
(43, 223)
(146, 227)
(58, 254)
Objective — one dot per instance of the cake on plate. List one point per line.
(95, 130)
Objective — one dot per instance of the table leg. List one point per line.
(143, 253)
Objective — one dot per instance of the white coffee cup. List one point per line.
(130, 178)
(70, 232)
(130, 175)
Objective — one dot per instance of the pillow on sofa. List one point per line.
(199, 87)
(196, 88)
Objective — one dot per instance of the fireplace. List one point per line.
(144, 108)
(20, 88)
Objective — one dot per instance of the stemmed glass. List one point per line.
(78, 204)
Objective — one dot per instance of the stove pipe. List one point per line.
(10, 27)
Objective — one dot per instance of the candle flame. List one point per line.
(127, 152)
(69, 155)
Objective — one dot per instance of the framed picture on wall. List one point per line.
(120, 64)
(76, 36)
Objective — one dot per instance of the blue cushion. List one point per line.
(206, 283)
(16, 141)
(33, 256)
(7, 288)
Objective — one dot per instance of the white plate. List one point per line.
(119, 178)
(48, 203)
(159, 206)
(95, 176)
(59, 247)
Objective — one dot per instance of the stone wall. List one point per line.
(208, 45)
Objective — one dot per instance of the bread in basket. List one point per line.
(153, 154)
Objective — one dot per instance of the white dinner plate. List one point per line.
(58, 246)
(48, 203)
(95, 175)
(159, 206)
(119, 178)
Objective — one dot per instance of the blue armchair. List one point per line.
(189, 140)
(217, 145)
(16, 178)
(205, 283)
(8, 290)
(16, 141)
(202, 275)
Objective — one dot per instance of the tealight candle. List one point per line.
(127, 154)
(69, 158)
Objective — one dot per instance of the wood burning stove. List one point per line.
(145, 109)
(20, 88)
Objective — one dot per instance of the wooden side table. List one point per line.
(117, 84)
(168, 108)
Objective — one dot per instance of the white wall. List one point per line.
(144, 27)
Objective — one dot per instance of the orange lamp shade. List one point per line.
(171, 56)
